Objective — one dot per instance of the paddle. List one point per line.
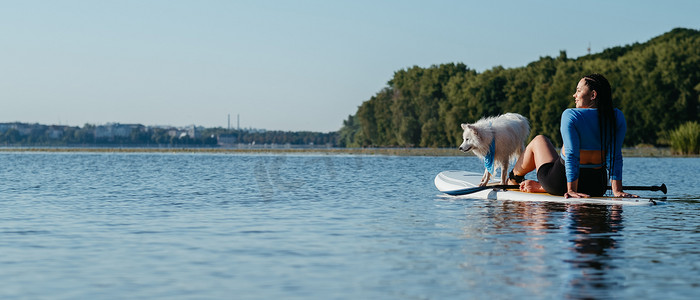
(652, 188)
(471, 190)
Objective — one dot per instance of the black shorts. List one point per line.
(552, 177)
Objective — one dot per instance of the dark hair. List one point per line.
(606, 117)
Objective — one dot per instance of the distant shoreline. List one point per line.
(627, 152)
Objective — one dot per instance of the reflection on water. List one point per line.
(593, 230)
(588, 235)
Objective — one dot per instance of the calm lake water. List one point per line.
(210, 226)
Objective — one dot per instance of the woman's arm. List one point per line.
(616, 173)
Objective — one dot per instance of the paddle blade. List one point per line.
(479, 188)
(466, 191)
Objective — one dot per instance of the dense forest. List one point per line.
(656, 84)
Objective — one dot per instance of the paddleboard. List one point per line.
(452, 182)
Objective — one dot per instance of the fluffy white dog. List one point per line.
(497, 141)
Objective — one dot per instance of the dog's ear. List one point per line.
(466, 126)
(476, 130)
(471, 127)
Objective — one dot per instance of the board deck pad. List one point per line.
(451, 181)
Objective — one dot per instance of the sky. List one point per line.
(301, 65)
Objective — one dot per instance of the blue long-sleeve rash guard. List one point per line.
(580, 131)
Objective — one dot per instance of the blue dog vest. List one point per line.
(488, 159)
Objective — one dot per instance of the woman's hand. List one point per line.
(572, 194)
(625, 195)
(571, 191)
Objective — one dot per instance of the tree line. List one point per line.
(655, 84)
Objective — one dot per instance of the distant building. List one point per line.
(55, 132)
(23, 129)
(192, 132)
(173, 132)
(111, 131)
(26, 129)
(183, 132)
(4, 127)
(226, 140)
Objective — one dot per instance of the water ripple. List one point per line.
(169, 226)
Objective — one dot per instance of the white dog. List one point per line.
(496, 140)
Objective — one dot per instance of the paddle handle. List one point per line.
(653, 188)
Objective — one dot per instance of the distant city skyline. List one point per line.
(6, 125)
(280, 65)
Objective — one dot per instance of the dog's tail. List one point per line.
(525, 129)
(523, 134)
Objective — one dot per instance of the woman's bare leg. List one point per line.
(540, 151)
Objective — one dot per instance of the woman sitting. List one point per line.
(592, 134)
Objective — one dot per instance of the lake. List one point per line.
(316, 226)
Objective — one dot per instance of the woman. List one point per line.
(592, 134)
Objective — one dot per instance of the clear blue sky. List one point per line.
(281, 65)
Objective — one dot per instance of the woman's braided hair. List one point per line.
(606, 117)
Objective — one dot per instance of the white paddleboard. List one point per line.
(451, 182)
